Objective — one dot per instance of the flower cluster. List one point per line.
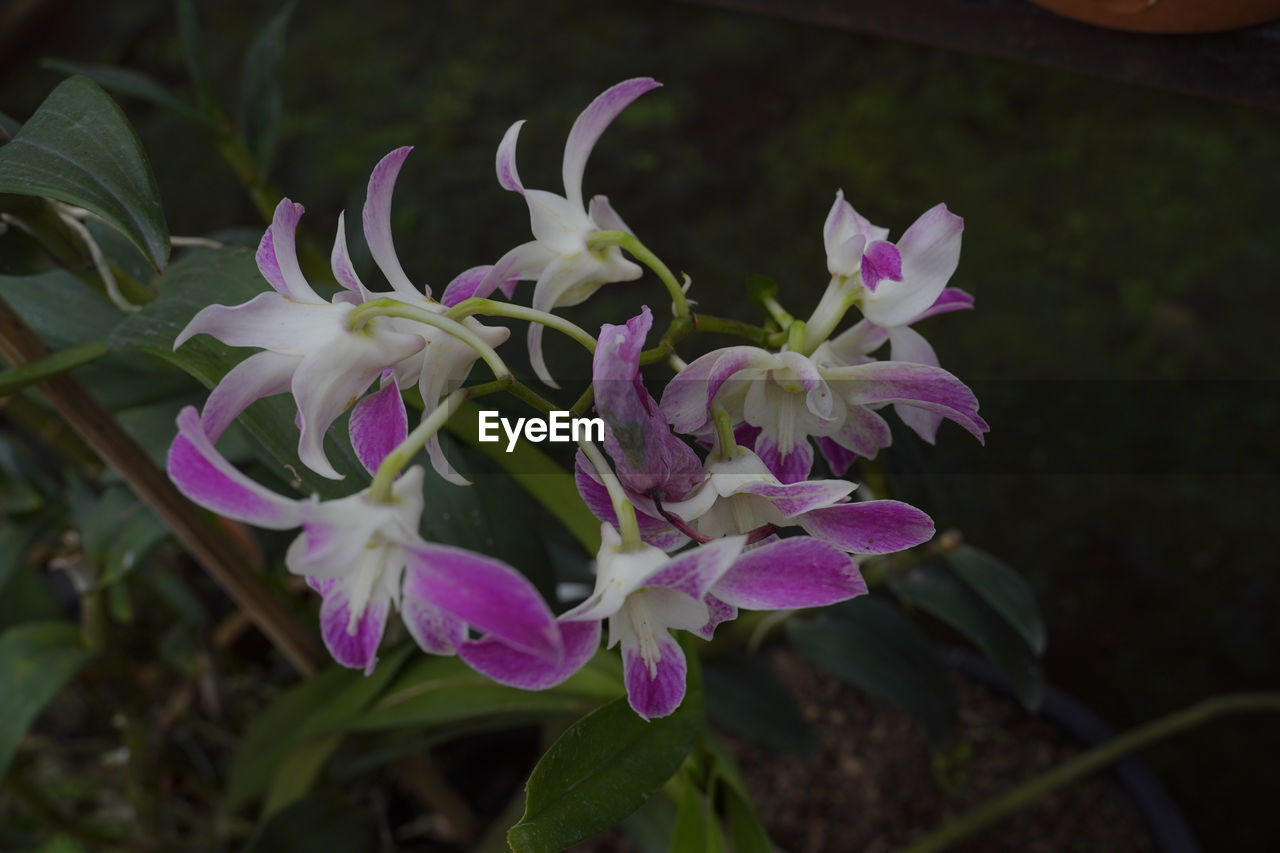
(707, 500)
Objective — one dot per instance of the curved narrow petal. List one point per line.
(658, 691)
(508, 177)
(356, 645)
(202, 474)
(377, 220)
(930, 253)
(488, 594)
(695, 571)
(797, 572)
(262, 374)
(864, 433)
(340, 261)
(855, 343)
(516, 668)
(464, 285)
(869, 527)
(719, 611)
(267, 321)
(378, 423)
(687, 397)
(528, 260)
(590, 124)
(951, 299)
(791, 467)
(604, 216)
(435, 632)
(278, 256)
(796, 498)
(550, 284)
(906, 344)
(839, 459)
(919, 385)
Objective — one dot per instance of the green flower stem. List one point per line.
(837, 299)
(1087, 762)
(725, 443)
(601, 239)
(795, 336)
(523, 392)
(494, 308)
(777, 312)
(622, 507)
(387, 307)
(584, 402)
(724, 326)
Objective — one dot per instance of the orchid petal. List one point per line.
(687, 397)
(515, 668)
(695, 571)
(793, 499)
(798, 572)
(262, 374)
(340, 261)
(854, 344)
(870, 527)
(720, 611)
(487, 593)
(657, 691)
(464, 285)
(377, 220)
(951, 299)
(267, 321)
(278, 254)
(919, 385)
(653, 529)
(435, 632)
(508, 177)
(528, 260)
(881, 261)
(791, 467)
(208, 479)
(590, 124)
(839, 459)
(378, 424)
(604, 216)
(356, 648)
(930, 253)
(864, 433)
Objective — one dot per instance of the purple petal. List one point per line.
(356, 648)
(204, 476)
(267, 265)
(797, 572)
(796, 498)
(378, 423)
(881, 261)
(260, 375)
(377, 220)
(278, 255)
(435, 632)
(951, 299)
(930, 253)
(719, 611)
(486, 593)
(864, 433)
(695, 571)
(340, 260)
(590, 124)
(466, 283)
(919, 385)
(515, 668)
(791, 467)
(839, 459)
(508, 177)
(654, 530)
(869, 527)
(688, 396)
(658, 692)
(528, 260)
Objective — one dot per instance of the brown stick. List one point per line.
(219, 557)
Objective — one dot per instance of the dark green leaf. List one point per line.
(17, 378)
(745, 697)
(36, 660)
(193, 51)
(299, 770)
(134, 84)
(870, 644)
(696, 826)
(1002, 588)
(603, 768)
(935, 588)
(78, 148)
(8, 127)
(60, 308)
(319, 822)
(262, 90)
(118, 531)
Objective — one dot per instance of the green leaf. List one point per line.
(78, 148)
(935, 588)
(17, 378)
(36, 660)
(8, 128)
(298, 771)
(1002, 588)
(603, 768)
(868, 643)
(118, 531)
(745, 697)
(193, 51)
(319, 822)
(60, 308)
(323, 704)
(134, 84)
(696, 826)
(746, 833)
(262, 91)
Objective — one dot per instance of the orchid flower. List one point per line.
(443, 362)
(790, 397)
(648, 458)
(567, 271)
(308, 348)
(646, 594)
(366, 557)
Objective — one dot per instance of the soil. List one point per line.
(873, 784)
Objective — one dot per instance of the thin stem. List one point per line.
(795, 336)
(494, 308)
(725, 326)
(1086, 762)
(601, 239)
(837, 299)
(99, 263)
(387, 307)
(523, 392)
(622, 507)
(584, 402)
(726, 443)
(777, 312)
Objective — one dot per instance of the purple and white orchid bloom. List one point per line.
(443, 362)
(646, 594)
(790, 397)
(365, 556)
(566, 270)
(648, 458)
(307, 346)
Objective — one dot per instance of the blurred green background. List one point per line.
(1118, 240)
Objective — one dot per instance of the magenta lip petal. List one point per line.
(377, 220)
(797, 572)
(870, 527)
(435, 631)
(378, 424)
(880, 261)
(655, 695)
(204, 476)
(590, 124)
(791, 468)
(486, 593)
(358, 649)
(515, 668)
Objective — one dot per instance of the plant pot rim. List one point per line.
(1166, 16)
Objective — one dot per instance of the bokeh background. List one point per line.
(1120, 243)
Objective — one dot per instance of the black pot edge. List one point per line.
(1169, 830)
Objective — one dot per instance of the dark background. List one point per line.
(1119, 242)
